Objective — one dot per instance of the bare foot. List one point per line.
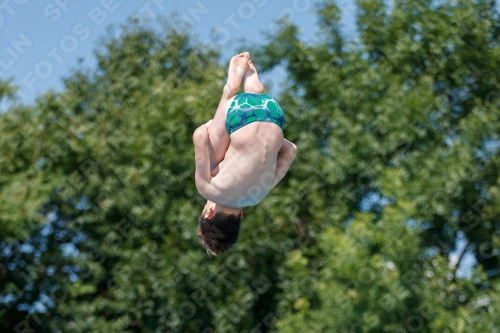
(251, 83)
(237, 69)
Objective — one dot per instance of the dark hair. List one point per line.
(220, 232)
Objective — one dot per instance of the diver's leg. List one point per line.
(251, 82)
(219, 139)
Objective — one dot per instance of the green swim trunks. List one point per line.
(247, 108)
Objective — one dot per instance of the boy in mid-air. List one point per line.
(240, 155)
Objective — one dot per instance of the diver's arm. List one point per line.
(202, 159)
(285, 158)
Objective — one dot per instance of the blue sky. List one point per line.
(41, 41)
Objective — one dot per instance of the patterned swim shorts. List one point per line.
(247, 108)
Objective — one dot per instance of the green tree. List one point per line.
(398, 157)
(101, 208)
(399, 141)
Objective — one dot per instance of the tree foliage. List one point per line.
(407, 127)
(398, 159)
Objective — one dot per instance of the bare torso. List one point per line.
(246, 174)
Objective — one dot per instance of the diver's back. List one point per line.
(247, 171)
